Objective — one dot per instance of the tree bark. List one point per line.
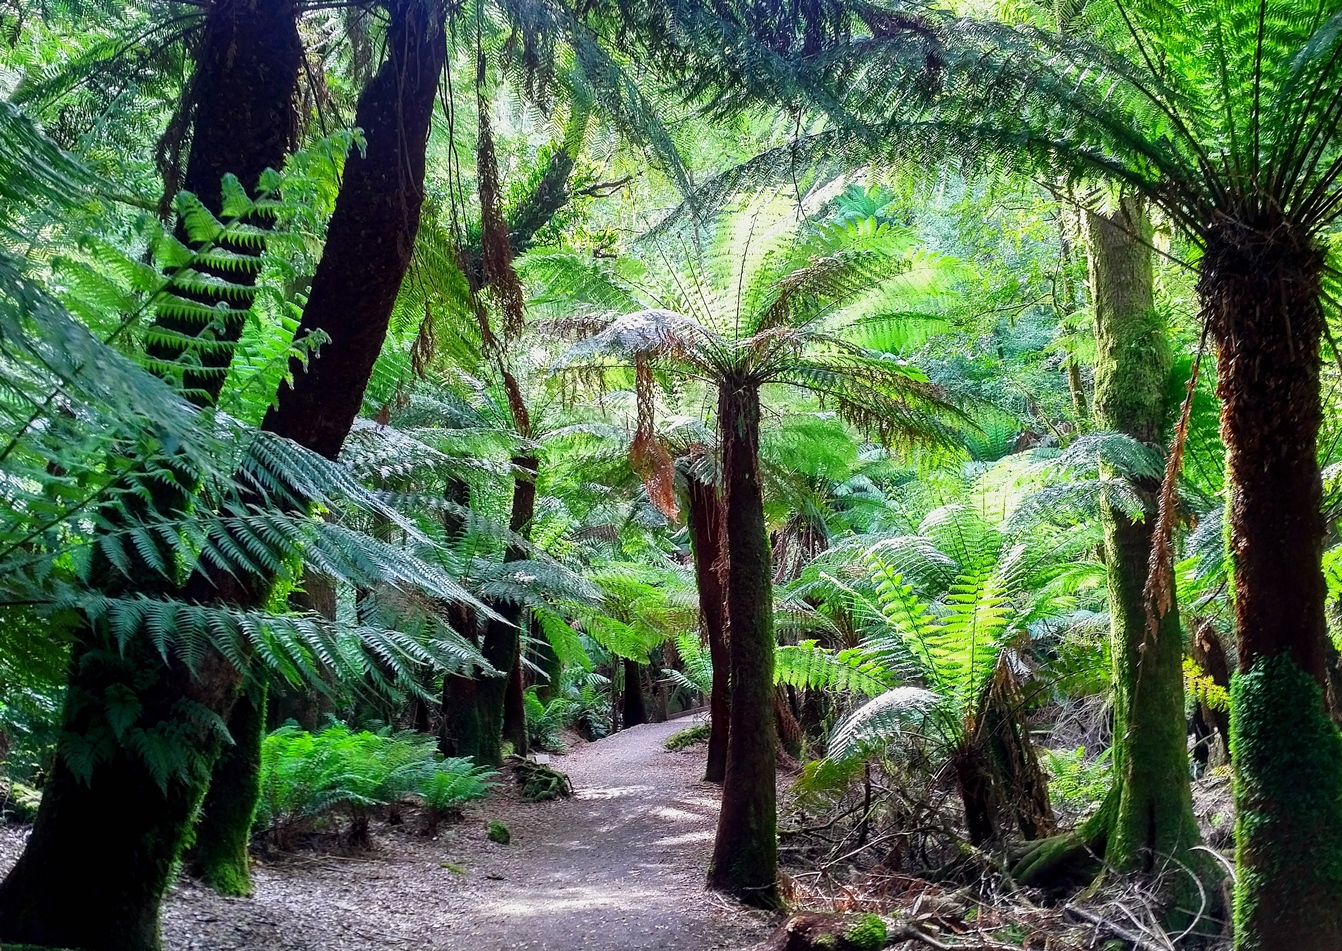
(224, 828)
(474, 710)
(112, 836)
(1261, 290)
(745, 850)
(706, 526)
(370, 237)
(514, 707)
(1154, 830)
(1211, 659)
(244, 122)
(366, 256)
(635, 709)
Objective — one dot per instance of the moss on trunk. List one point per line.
(1153, 830)
(745, 850)
(1261, 289)
(1288, 802)
(219, 855)
(107, 838)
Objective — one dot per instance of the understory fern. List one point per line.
(306, 778)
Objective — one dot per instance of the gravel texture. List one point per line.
(618, 868)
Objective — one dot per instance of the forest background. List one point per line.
(487, 370)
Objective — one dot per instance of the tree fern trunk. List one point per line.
(112, 834)
(475, 708)
(113, 840)
(745, 851)
(244, 120)
(705, 523)
(1262, 292)
(635, 709)
(366, 256)
(219, 854)
(1153, 830)
(107, 837)
(370, 238)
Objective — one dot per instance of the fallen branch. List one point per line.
(1138, 941)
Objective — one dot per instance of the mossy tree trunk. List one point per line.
(1261, 290)
(745, 850)
(219, 855)
(108, 835)
(706, 526)
(354, 289)
(113, 837)
(108, 832)
(1153, 829)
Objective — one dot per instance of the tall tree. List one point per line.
(1154, 824)
(1223, 114)
(1146, 824)
(366, 256)
(109, 830)
(776, 324)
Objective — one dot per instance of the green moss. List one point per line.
(684, 739)
(19, 803)
(869, 934)
(498, 832)
(219, 856)
(1288, 795)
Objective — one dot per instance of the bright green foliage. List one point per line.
(305, 777)
(545, 721)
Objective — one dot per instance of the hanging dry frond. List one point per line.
(1159, 591)
(497, 272)
(648, 456)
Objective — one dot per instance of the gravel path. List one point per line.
(618, 868)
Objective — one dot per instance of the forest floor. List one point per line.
(620, 867)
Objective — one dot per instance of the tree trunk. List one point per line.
(107, 838)
(365, 258)
(552, 670)
(514, 708)
(219, 855)
(244, 122)
(1262, 291)
(635, 709)
(304, 704)
(370, 237)
(745, 851)
(1002, 740)
(475, 708)
(1211, 659)
(706, 525)
(1153, 828)
(112, 834)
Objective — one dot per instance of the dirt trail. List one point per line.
(618, 868)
